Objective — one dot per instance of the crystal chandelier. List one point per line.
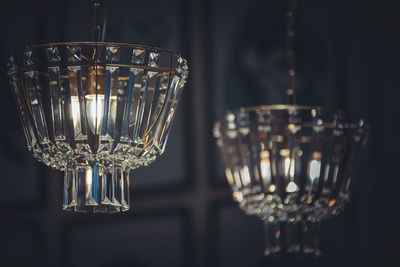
(290, 165)
(96, 110)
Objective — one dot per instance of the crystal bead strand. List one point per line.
(290, 53)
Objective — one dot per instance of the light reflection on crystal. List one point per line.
(88, 182)
(153, 59)
(167, 114)
(148, 98)
(34, 103)
(229, 176)
(292, 187)
(138, 56)
(11, 68)
(112, 53)
(315, 166)
(94, 111)
(76, 107)
(70, 189)
(28, 58)
(52, 54)
(272, 188)
(131, 105)
(58, 108)
(76, 115)
(110, 103)
(74, 53)
(265, 167)
(22, 110)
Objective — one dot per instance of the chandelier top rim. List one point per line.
(145, 47)
(293, 107)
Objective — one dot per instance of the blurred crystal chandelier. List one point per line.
(290, 165)
(96, 110)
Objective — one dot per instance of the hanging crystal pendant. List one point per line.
(96, 111)
(291, 166)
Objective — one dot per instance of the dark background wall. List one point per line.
(347, 56)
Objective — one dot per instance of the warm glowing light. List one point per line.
(265, 166)
(236, 177)
(245, 174)
(229, 177)
(238, 196)
(335, 173)
(326, 175)
(289, 167)
(95, 109)
(284, 152)
(171, 113)
(272, 188)
(288, 162)
(332, 202)
(76, 114)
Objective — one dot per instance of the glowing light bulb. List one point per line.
(94, 111)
